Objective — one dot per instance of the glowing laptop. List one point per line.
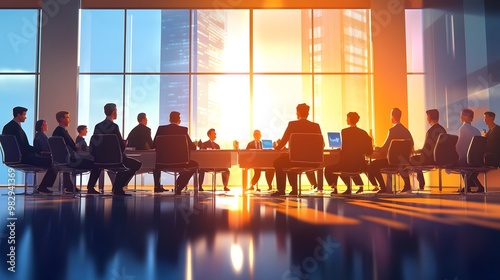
(334, 140)
(267, 145)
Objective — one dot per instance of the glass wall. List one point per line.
(19, 32)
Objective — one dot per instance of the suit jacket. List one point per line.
(398, 131)
(431, 137)
(140, 138)
(13, 128)
(493, 145)
(356, 143)
(251, 145)
(208, 145)
(298, 126)
(109, 127)
(41, 142)
(62, 132)
(174, 129)
(83, 144)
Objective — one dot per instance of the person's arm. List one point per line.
(282, 142)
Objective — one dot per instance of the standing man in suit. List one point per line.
(465, 134)
(174, 128)
(210, 144)
(108, 126)
(256, 144)
(301, 125)
(140, 136)
(398, 131)
(425, 156)
(356, 144)
(28, 153)
(77, 160)
(493, 139)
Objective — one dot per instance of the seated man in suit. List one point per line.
(426, 154)
(78, 160)
(140, 136)
(256, 144)
(301, 125)
(174, 128)
(81, 144)
(28, 152)
(356, 144)
(493, 140)
(108, 126)
(398, 131)
(211, 145)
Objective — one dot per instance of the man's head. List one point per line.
(489, 118)
(82, 130)
(257, 135)
(19, 113)
(211, 134)
(175, 117)
(352, 118)
(62, 117)
(395, 115)
(432, 115)
(466, 115)
(142, 119)
(41, 126)
(302, 111)
(110, 110)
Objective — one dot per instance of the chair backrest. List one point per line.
(306, 148)
(58, 150)
(475, 153)
(106, 149)
(399, 151)
(172, 150)
(445, 152)
(11, 154)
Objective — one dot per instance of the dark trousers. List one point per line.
(376, 178)
(280, 165)
(223, 171)
(256, 177)
(331, 178)
(42, 161)
(473, 181)
(183, 178)
(122, 178)
(82, 163)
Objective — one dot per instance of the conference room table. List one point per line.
(245, 159)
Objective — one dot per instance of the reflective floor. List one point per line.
(230, 236)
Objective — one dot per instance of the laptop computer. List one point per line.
(267, 145)
(334, 140)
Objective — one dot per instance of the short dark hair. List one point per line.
(303, 109)
(141, 116)
(109, 108)
(18, 111)
(38, 125)
(433, 114)
(175, 117)
(396, 114)
(60, 115)
(468, 113)
(490, 114)
(210, 130)
(80, 128)
(354, 117)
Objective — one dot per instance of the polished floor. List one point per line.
(230, 236)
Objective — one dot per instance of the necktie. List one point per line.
(213, 146)
(259, 147)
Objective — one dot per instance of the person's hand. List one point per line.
(276, 143)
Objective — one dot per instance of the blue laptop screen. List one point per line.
(334, 140)
(267, 144)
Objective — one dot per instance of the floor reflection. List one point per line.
(253, 237)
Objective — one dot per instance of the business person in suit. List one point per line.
(81, 144)
(140, 136)
(301, 125)
(256, 144)
(398, 131)
(108, 126)
(28, 152)
(465, 134)
(425, 156)
(356, 144)
(41, 141)
(79, 160)
(174, 128)
(493, 140)
(210, 144)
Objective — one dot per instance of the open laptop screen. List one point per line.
(267, 144)
(334, 140)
